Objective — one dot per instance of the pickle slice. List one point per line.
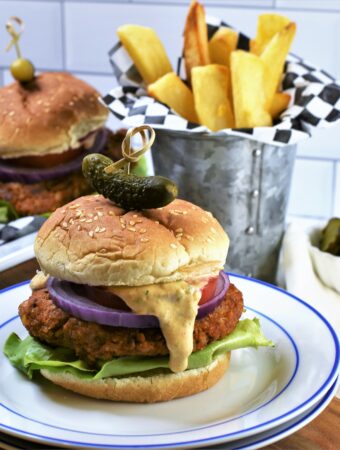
(330, 239)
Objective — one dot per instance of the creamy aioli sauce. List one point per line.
(38, 281)
(175, 305)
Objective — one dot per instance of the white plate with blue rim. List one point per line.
(249, 443)
(263, 388)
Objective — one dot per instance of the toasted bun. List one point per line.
(48, 115)
(92, 241)
(145, 389)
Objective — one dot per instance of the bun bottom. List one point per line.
(145, 389)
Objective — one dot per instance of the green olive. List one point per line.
(22, 70)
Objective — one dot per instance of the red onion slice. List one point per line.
(35, 175)
(65, 295)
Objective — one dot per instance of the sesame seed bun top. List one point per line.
(92, 241)
(47, 115)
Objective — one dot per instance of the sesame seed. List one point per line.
(100, 214)
(11, 113)
(179, 236)
(190, 238)
(184, 212)
(173, 245)
(63, 211)
(131, 229)
(142, 230)
(89, 221)
(156, 221)
(96, 229)
(78, 227)
(179, 230)
(71, 221)
(123, 226)
(91, 233)
(144, 239)
(90, 214)
(135, 216)
(209, 213)
(73, 206)
(209, 239)
(103, 250)
(64, 225)
(132, 222)
(82, 219)
(212, 229)
(205, 220)
(95, 218)
(102, 230)
(111, 213)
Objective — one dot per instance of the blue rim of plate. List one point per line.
(329, 379)
(20, 444)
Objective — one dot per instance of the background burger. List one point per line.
(47, 126)
(135, 306)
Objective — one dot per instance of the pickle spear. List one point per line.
(128, 191)
(330, 239)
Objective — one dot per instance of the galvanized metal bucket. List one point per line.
(244, 183)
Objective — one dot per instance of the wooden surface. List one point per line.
(321, 434)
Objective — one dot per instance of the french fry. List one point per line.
(274, 57)
(280, 103)
(210, 87)
(223, 42)
(196, 50)
(247, 79)
(171, 90)
(267, 26)
(146, 51)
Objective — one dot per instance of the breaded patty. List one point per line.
(94, 343)
(45, 196)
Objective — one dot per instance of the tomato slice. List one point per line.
(208, 290)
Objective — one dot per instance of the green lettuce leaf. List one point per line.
(7, 212)
(29, 355)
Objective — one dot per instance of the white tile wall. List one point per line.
(312, 191)
(42, 40)
(76, 34)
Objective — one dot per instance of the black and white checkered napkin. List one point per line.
(315, 99)
(19, 228)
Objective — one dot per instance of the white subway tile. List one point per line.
(41, 41)
(325, 143)
(309, 4)
(336, 211)
(91, 31)
(311, 191)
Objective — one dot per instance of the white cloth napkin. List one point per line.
(297, 273)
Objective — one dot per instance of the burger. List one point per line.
(131, 306)
(47, 126)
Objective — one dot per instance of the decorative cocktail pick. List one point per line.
(114, 181)
(21, 68)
